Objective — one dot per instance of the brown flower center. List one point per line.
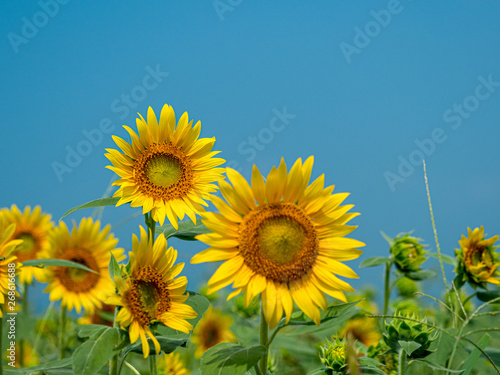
(148, 297)
(163, 172)
(278, 241)
(75, 279)
(29, 248)
(211, 334)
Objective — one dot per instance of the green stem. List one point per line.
(438, 248)
(402, 362)
(62, 349)
(113, 365)
(455, 345)
(273, 336)
(152, 365)
(387, 288)
(151, 224)
(263, 339)
(257, 370)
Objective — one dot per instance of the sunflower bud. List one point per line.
(406, 287)
(381, 353)
(477, 261)
(272, 364)
(408, 254)
(408, 330)
(333, 355)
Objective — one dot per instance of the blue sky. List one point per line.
(368, 88)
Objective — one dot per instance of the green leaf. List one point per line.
(389, 240)
(435, 366)
(476, 353)
(374, 261)
(446, 258)
(494, 354)
(334, 311)
(421, 275)
(409, 346)
(199, 304)
(59, 364)
(487, 296)
(55, 262)
(91, 329)
(95, 203)
(230, 359)
(114, 267)
(95, 352)
(367, 361)
(187, 230)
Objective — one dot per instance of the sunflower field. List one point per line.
(277, 301)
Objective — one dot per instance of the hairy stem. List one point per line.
(152, 365)
(263, 339)
(402, 362)
(113, 364)
(387, 288)
(62, 331)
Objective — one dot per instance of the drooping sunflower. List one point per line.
(33, 227)
(362, 329)
(166, 170)
(7, 259)
(477, 261)
(86, 244)
(283, 239)
(212, 329)
(171, 364)
(150, 293)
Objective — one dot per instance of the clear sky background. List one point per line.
(362, 83)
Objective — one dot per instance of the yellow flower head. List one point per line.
(166, 169)
(86, 244)
(282, 238)
(212, 329)
(33, 228)
(171, 364)
(7, 259)
(362, 329)
(477, 261)
(149, 293)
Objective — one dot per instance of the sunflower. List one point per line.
(281, 238)
(87, 244)
(362, 329)
(171, 364)
(477, 260)
(212, 329)
(7, 246)
(149, 294)
(33, 227)
(166, 169)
